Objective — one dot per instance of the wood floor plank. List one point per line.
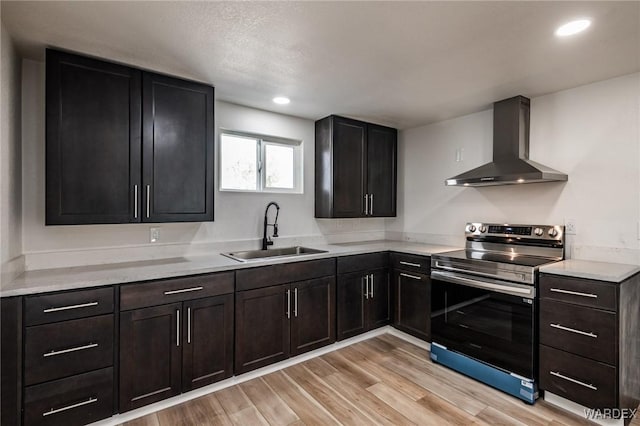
(270, 405)
(149, 420)
(320, 367)
(438, 387)
(358, 374)
(494, 417)
(342, 409)
(239, 407)
(201, 411)
(415, 412)
(448, 411)
(387, 376)
(398, 343)
(307, 409)
(382, 412)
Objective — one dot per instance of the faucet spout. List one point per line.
(266, 240)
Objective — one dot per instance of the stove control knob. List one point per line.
(538, 232)
(483, 229)
(471, 228)
(553, 232)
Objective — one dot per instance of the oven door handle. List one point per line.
(528, 292)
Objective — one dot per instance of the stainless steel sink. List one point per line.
(245, 256)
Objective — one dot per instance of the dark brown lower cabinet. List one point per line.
(364, 302)
(275, 322)
(171, 348)
(412, 303)
(589, 341)
(150, 355)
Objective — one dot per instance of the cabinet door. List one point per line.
(262, 327)
(381, 170)
(313, 313)
(349, 147)
(351, 305)
(177, 150)
(93, 141)
(413, 305)
(379, 306)
(208, 341)
(150, 355)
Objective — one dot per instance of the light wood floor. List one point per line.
(384, 381)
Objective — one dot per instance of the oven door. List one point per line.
(489, 320)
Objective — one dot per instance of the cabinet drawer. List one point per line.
(65, 348)
(133, 296)
(362, 262)
(76, 400)
(283, 273)
(583, 331)
(587, 382)
(47, 308)
(410, 262)
(596, 294)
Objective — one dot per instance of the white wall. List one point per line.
(10, 162)
(589, 132)
(238, 216)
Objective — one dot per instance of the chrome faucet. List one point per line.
(266, 240)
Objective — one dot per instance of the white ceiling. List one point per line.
(398, 63)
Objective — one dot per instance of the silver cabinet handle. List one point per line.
(574, 293)
(66, 351)
(372, 286)
(371, 204)
(573, 330)
(366, 291)
(295, 302)
(66, 308)
(415, 265)
(135, 201)
(578, 382)
(414, 277)
(189, 325)
(69, 407)
(177, 327)
(366, 204)
(183, 290)
(148, 199)
(288, 303)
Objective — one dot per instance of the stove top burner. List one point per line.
(497, 257)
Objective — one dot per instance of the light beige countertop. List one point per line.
(47, 280)
(602, 271)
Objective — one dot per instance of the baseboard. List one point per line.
(235, 380)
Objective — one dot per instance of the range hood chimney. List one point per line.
(511, 164)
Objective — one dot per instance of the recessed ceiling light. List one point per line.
(281, 100)
(573, 27)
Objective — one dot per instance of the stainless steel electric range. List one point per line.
(483, 303)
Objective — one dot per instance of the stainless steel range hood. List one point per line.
(511, 164)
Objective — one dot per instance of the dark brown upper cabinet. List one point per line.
(125, 145)
(355, 172)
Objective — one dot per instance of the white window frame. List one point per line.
(261, 142)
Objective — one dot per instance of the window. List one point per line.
(258, 163)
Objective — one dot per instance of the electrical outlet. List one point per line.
(154, 235)
(459, 155)
(570, 227)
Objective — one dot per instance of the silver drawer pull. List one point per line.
(574, 293)
(578, 382)
(184, 290)
(573, 330)
(66, 308)
(66, 351)
(69, 407)
(415, 277)
(415, 265)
